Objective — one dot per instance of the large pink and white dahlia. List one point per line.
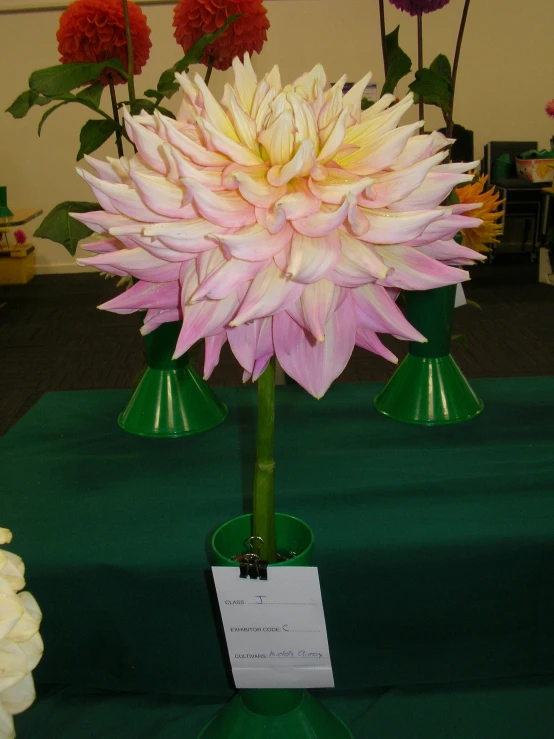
(284, 220)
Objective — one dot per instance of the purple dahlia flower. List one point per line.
(415, 7)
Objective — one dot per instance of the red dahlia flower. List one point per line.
(415, 7)
(94, 31)
(550, 108)
(193, 18)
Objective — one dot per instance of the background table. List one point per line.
(435, 545)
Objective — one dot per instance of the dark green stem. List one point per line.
(264, 493)
(211, 61)
(383, 35)
(450, 122)
(420, 59)
(130, 57)
(115, 110)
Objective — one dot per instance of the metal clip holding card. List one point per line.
(250, 563)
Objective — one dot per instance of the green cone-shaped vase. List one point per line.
(428, 387)
(171, 400)
(271, 714)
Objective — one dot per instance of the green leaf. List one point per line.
(93, 134)
(367, 103)
(92, 94)
(142, 104)
(474, 304)
(167, 112)
(58, 225)
(22, 104)
(154, 94)
(47, 115)
(434, 89)
(441, 66)
(63, 78)
(166, 84)
(399, 63)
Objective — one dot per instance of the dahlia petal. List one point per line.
(353, 98)
(380, 153)
(421, 147)
(190, 148)
(313, 257)
(244, 124)
(300, 203)
(210, 177)
(433, 190)
(315, 365)
(369, 340)
(261, 105)
(204, 319)
(14, 663)
(234, 150)
(308, 82)
(412, 270)
(144, 296)
(120, 198)
(212, 350)
(386, 227)
(336, 137)
(228, 277)
(305, 121)
(104, 170)
(278, 139)
(358, 259)
(186, 236)
(300, 165)
(324, 222)
(6, 724)
(255, 243)
(155, 318)
(443, 228)
(162, 197)
(451, 252)
(19, 697)
(316, 305)
(148, 143)
(136, 262)
(378, 125)
(378, 312)
(101, 247)
(458, 208)
(334, 188)
(270, 292)
(245, 81)
(332, 107)
(214, 112)
(11, 610)
(100, 221)
(459, 167)
(256, 190)
(397, 184)
(221, 208)
(251, 341)
(190, 90)
(382, 104)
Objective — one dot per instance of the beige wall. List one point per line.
(506, 77)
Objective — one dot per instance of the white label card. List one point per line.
(460, 298)
(275, 628)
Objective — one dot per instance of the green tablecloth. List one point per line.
(435, 546)
(500, 710)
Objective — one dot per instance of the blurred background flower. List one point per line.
(94, 31)
(487, 207)
(193, 18)
(415, 7)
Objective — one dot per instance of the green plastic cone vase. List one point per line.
(271, 714)
(171, 400)
(428, 387)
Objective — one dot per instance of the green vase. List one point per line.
(171, 400)
(5, 212)
(428, 387)
(271, 714)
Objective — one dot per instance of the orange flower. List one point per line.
(94, 31)
(193, 18)
(487, 208)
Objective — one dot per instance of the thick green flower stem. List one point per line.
(264, 494)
